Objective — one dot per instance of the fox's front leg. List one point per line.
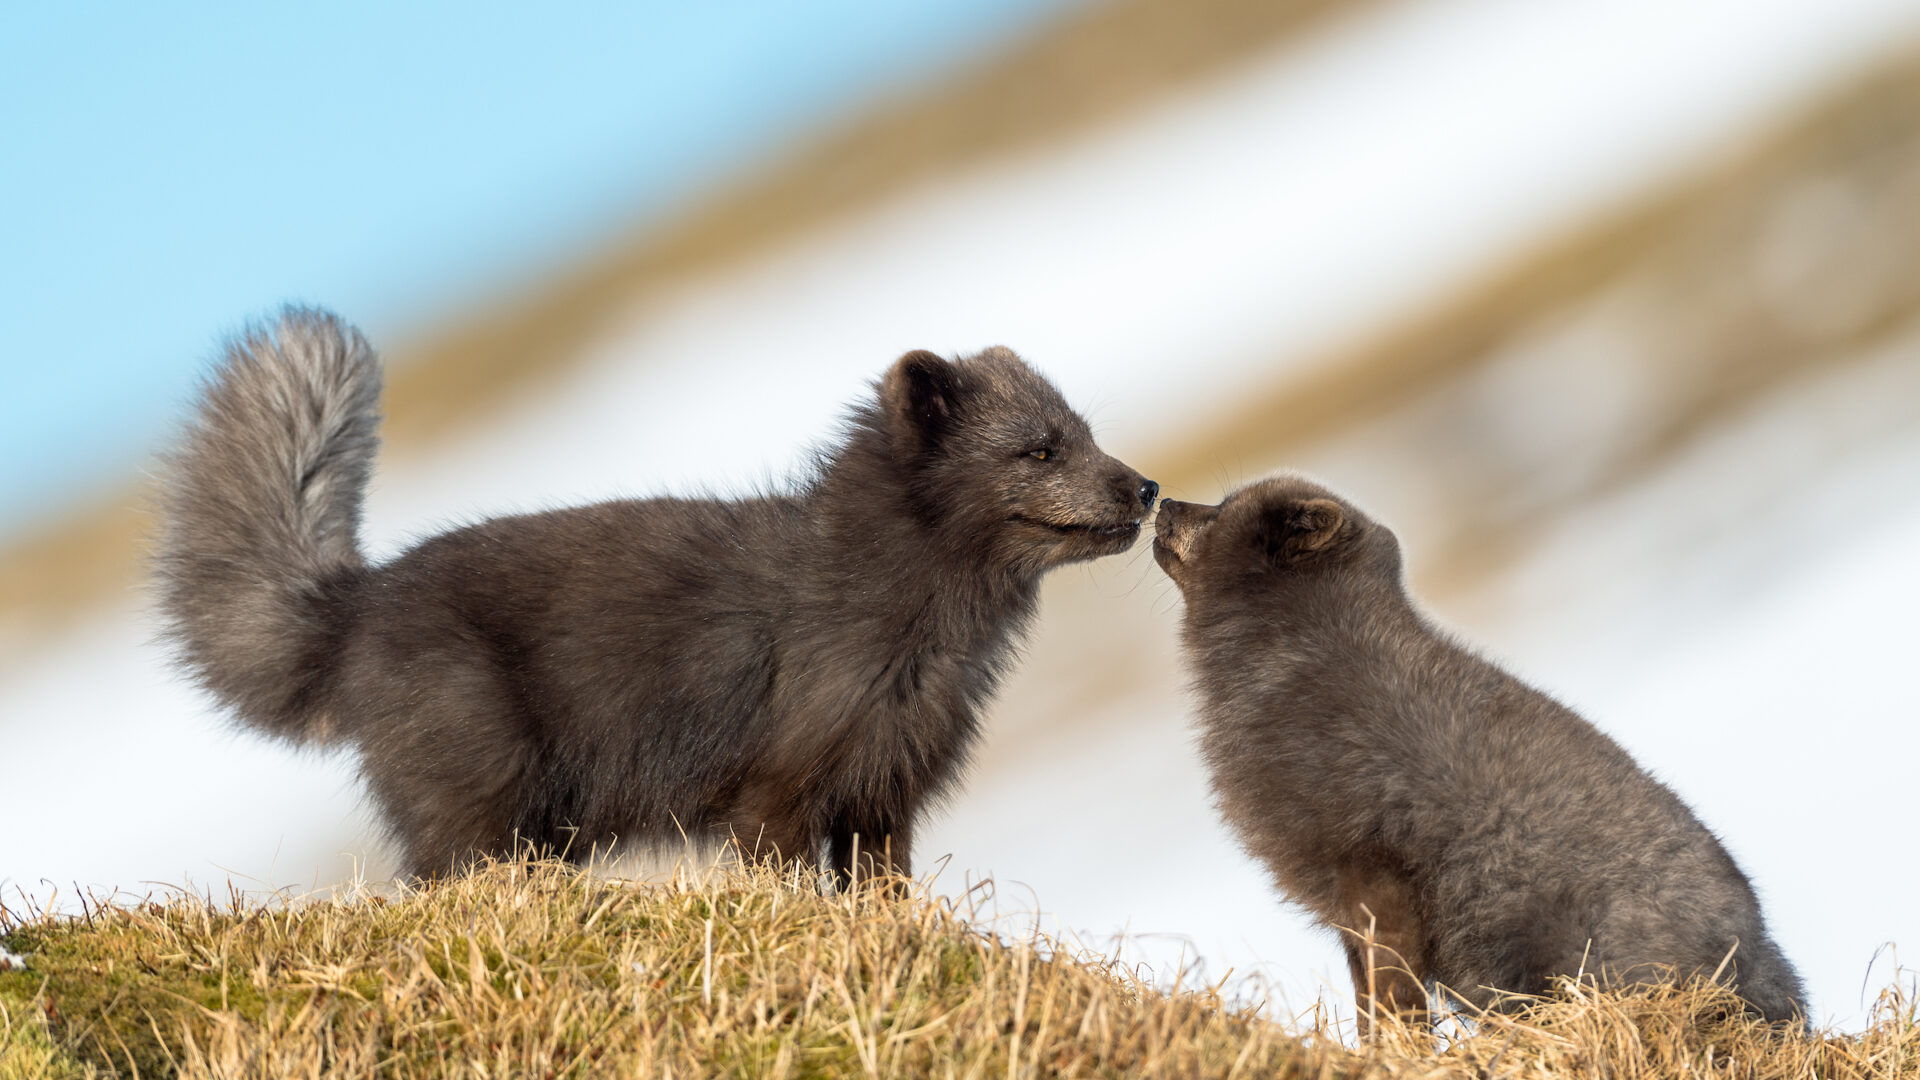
(1386, 943)
(871, 847)
(763, 823)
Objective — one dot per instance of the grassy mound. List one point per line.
(534, 969)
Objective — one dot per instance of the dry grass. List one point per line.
(538, 970)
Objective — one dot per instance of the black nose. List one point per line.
(1149, 491)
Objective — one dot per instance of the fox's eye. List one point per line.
(1041, 454)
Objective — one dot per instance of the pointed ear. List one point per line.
(921, 395)
(1297, 528)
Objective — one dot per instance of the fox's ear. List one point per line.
(921, 393)
(1297, 528)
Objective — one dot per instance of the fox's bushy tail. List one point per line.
(258, 563)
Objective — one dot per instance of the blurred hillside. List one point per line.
(1083, 71)
(1613, 315)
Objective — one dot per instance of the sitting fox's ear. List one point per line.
(921, 396)
(1294, 529)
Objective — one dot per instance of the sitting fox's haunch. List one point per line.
(787, 669)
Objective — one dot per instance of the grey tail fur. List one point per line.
(258, 565)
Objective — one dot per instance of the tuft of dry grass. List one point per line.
(537, 969)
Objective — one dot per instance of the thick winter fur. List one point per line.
(1455, 825)
(786, 670)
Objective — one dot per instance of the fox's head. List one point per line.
(993, 453)
(1279, 536)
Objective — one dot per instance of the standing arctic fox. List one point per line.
(787, 669)
(1486, 836)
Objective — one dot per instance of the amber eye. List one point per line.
(1041, 454)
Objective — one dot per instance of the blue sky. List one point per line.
(168, 174)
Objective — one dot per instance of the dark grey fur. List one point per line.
(1391, 780)
(788, 669)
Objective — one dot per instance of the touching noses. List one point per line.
(1132, 490)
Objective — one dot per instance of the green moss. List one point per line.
(960, 965)
(28, 1048)
(28, 1051)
